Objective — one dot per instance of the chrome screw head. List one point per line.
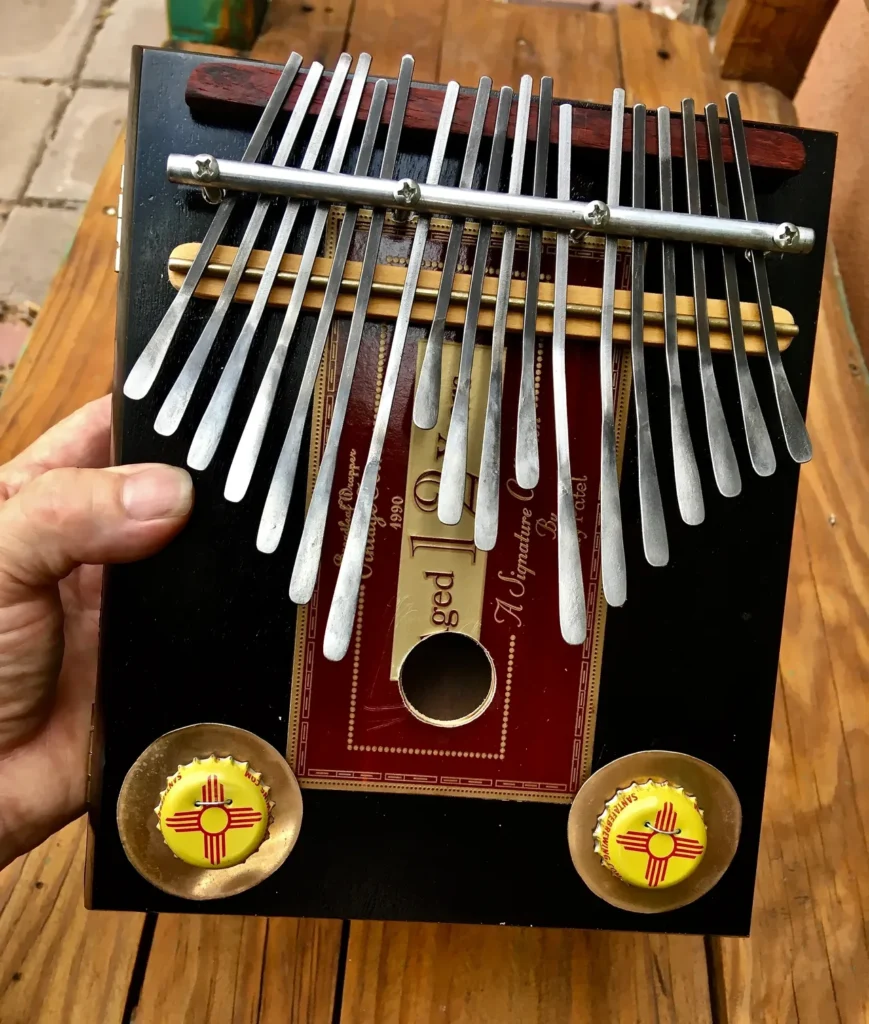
(407, 192)
(206, 167)
(597, 213)
(786, 235)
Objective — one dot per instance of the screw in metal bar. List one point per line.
(613, 571)
(342, 612)
(451, 494)
(654, 529)
(527, 455)
(426, 402)
(486, 518)
(796, 436)
(724, 465)
(280, 491)
(144, 372)
(689, 493)
(207, 170)
(307, 563)
(571, 594)
(760, 447)
(177, 400)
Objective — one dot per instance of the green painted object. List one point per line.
(231, 23)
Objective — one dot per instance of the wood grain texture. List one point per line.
(58, 961)
(244, 87)
(771, 41)
(411, 974)
(665, 61)
(240, 970)
(70, 353)
(506, 41)
(315, 28)
(388, 29)
(807, 958)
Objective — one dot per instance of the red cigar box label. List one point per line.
(507, 710)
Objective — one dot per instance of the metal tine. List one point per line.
(307, 564)
(654, 529)
(144, 372)
(760, 447)
(612, 546)
(796, 436)
(724, 465)
(571, 595)
(277, 502)
(175, 404)
(689, 493)
(342, 613)
(486, 516)
(210, 429)
(527, 455)
(427, 400)
(451, 494)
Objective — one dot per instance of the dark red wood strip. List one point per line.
(224, 84)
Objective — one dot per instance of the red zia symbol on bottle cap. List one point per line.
(214, 817)
(660, 844)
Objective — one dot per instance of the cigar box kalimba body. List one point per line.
(448, 686)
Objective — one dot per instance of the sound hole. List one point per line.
(448, 680)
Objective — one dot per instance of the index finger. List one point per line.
(82, 440)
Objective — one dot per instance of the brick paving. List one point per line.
(64, 67)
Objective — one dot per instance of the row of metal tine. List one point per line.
(572, 601)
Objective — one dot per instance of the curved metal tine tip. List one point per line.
(280, 492)
(486, 516)
(571, 594)
(527, 456)
(760, 448)
(247, 452)
(613, 570)
(342, 613)
(689, 492)
(654, 529)
(725, 468)
(144, 372)
(451, 493)
(175, 404)
(427, 399)
(793, 425)
(307, 563)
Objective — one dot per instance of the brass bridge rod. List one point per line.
(426, 199)
(575, 309)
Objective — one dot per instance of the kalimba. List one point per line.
(478, 614)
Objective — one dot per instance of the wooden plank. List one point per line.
(243, 970)
(665, 61)
(771, 41)
(807, 958)
(388, 29)
(213, 87)
(58, 961)
(315, 28)
(409, 973)
(506, 41)
(70, 353)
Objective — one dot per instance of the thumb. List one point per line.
(67, 517)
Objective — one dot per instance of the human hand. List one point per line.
(61, 518)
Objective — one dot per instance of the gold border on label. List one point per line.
(143, 841)
(712, 790)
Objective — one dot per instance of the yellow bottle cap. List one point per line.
(651, 835)
(214, 812)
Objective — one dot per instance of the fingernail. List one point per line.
(159, 493)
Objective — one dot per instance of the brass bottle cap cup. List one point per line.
(209, 811)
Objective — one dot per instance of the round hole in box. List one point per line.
(447, 680)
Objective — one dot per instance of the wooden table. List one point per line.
(807, 959)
